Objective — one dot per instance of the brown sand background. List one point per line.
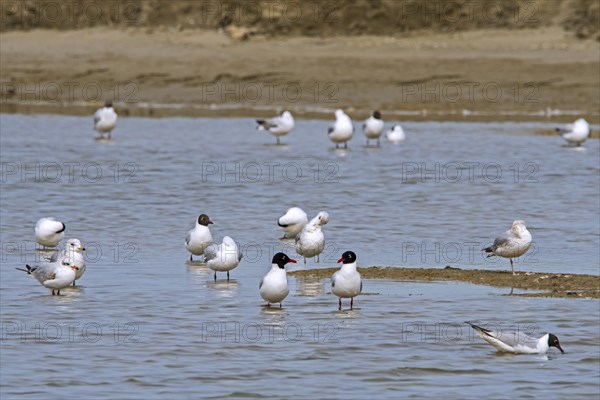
(412, 59)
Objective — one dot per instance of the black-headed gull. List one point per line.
(310, 241)
(278, 126)
(373, 127)
(342, 130)
(199, 238)
(49, 232)
(346, 282)
(395, 135)
(53, 275)
(292, 222)
(518, 342)
(105, 119)
(273, 286)
(223, 257)
(575, 133)
(73, 254)
(511, 244)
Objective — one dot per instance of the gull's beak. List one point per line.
(560, 348)
(82, 248)
(74, 267)
(340, 260)
(293, 261)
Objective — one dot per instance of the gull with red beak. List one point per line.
(517, 342)
(273, 286)
(346, 282)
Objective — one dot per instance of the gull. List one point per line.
(199, 238)
(72, 254)
(575, 133)
(54, 275)
(346, 282)
(223, 257)
(396, 134)
(512, 244)
(292, 222)
(342, 130)
(105, 119)
(278, 126)
(518, 342)
(48, 232)
(373, 127)
(273, 286)
(310, 241)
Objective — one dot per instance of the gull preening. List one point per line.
(511, 244)
(223, 257)
(49, 232)
(310, 241)
(576, 133)
(72, 254)
(395, 135)
(199, 238)
(347, 281)
(342, 130)
(273, 286)
(517, 342)
(292, 222)
(105, 119)
(53, 275)
(373, 127)
(278, 126)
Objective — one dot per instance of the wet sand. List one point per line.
(491, 74)
(543, 284)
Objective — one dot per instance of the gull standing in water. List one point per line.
(373, 127)
(512, 244)
(105, 119)
(278, 126)
(55, 275)
(347, 281)
(49, 232)
(310, 241)
(199, 238)
(292, 222)
(273, 286)
(342, 130)
(73, 254)
(518, 342)
(395, 135)
(575, 133)
(223, 257)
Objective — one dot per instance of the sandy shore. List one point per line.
(538, 74)
(543, 284)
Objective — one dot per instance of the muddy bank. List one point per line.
(546, 284)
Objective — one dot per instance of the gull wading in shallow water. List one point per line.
(512, 244)
(310, 241)
(292, 222)
(273, 286)
(49, 232)
(72, 254)
(342, 130)
(347, 281)
(199, 238)
(373, 127)
(105, 119)
(395, 135)
(576, 133)
(518, 342)
(223, 257)
(54, 275)
(278, 126)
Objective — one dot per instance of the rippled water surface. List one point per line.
(144, 322)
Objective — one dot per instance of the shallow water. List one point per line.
(144, 323)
